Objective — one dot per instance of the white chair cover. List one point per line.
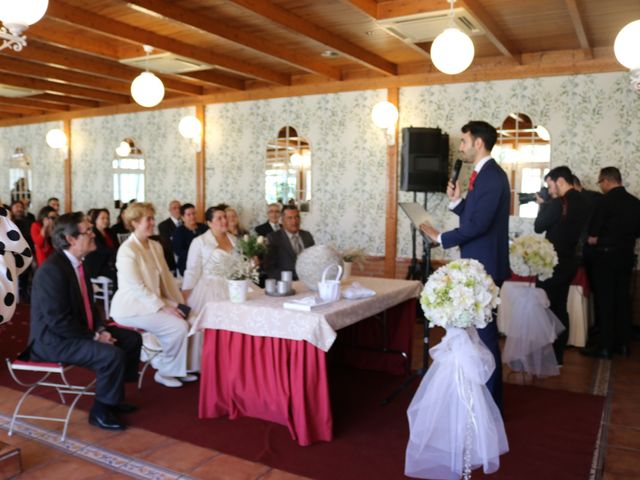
(453, 413)
(530, 334)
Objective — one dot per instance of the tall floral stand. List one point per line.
(454, 423)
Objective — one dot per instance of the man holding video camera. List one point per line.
(563, 219)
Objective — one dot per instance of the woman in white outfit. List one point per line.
(148, 297)
(200, 285)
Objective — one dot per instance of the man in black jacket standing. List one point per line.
(563, 219)
(613, 231)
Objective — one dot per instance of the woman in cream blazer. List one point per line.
(148, 297)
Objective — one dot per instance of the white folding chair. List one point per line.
(122, 237)
(63, 386)
(103, 290)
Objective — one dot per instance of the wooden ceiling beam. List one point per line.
(52, 55)
(370, 7)
(46, 72)
(217, 78)
(38, 84)
(400, 8)
(67, 100)
(122, 30)
(29, 102)
(23, 110)
(310, 30)
(578, 25)
(7, 115)
(491, 29)
(193, 18)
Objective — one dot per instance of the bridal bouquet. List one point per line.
(531, 255)
(252, 245)
(460, 294)
(234, 266)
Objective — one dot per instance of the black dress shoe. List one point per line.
(622, 351)
(124, 408)
(596, 353)
(106, 420)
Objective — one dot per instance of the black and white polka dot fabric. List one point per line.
(15, 257)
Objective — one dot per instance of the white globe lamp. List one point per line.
(452, 51)
(384, 115)
(124, 149)
(627, 45)
(147, 90)
(56, 138)
(190, 127)
(17, 16)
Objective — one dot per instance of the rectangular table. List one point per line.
(263, 361)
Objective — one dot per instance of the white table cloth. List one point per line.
(264, 316)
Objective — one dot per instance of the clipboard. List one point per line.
(418, 215)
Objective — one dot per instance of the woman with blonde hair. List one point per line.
(233, 223)
(148, 297)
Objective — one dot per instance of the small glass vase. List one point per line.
(238, 290)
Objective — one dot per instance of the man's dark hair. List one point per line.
(15, 202)
(561, 172)
(576, 182)
(53, 198)
(185, 207)
(611, 173)
(44, 213)
(482, 130)
(211, 211)
(66, 224)
(289, 207)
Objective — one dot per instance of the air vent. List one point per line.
(425, 27)
(15, 92)
(166, 63)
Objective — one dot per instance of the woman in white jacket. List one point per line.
(148, 297)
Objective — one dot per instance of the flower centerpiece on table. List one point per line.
(454, 423)
(532, 255)
(234, 266)
(252, 245)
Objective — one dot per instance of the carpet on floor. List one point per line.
(551, 433)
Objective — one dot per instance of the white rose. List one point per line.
(260, 240)
(246, 237)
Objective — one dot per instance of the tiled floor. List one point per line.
(137, 451)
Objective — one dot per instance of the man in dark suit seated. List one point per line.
(285, 244)
(484, 224)
(273, 222)
(167, 228)
(66, 328)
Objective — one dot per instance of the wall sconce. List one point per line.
(385, 116)
(127, 148)
(191, 129)
(56, 138)
(16, 16)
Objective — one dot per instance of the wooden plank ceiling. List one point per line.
(260, 48)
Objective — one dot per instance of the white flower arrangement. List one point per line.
(234, 266)
(460, 294)
(532, 255)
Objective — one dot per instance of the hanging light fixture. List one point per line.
(147, 90)
(626, 45)
(56, 138)
(16, 16)
(452, 51)
(385, 115)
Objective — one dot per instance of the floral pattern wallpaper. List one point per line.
(47, 164)
(593, 121)
(348, 162)
(169, 159)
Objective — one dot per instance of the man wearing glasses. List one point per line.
(65, 325)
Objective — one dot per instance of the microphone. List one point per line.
(456, 172)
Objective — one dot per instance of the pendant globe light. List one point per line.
(16, 16)
(626, 45)
(147, 90)
(452, 51)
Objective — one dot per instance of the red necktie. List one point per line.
(472, 179)
(85, 297)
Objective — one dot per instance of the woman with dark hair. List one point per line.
(102, 261)
(184, 235)
(41, 233)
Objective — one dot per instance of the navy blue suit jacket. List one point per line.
(483, 233)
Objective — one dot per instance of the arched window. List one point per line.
(128, 173)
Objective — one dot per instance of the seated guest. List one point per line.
(66, 328)
(233, 223)
(41, 231)
(54, 203)
(167, 228)
(184, 235)
(119, 228)
(18, 215)
(285, 244)
(148, 297)
(102, 261)
(273, 222)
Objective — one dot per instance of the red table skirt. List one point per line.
(579, 279)
(285, 381)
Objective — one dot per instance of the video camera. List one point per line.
(531, 197)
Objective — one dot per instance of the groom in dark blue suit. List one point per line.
(483, 233)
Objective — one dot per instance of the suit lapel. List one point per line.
(287, 243)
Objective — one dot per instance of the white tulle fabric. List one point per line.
(531, 331)
(453, 412)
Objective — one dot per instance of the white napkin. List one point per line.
(356, 291)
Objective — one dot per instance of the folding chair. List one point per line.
(151, 348)
(103, 290)
(63, 386)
